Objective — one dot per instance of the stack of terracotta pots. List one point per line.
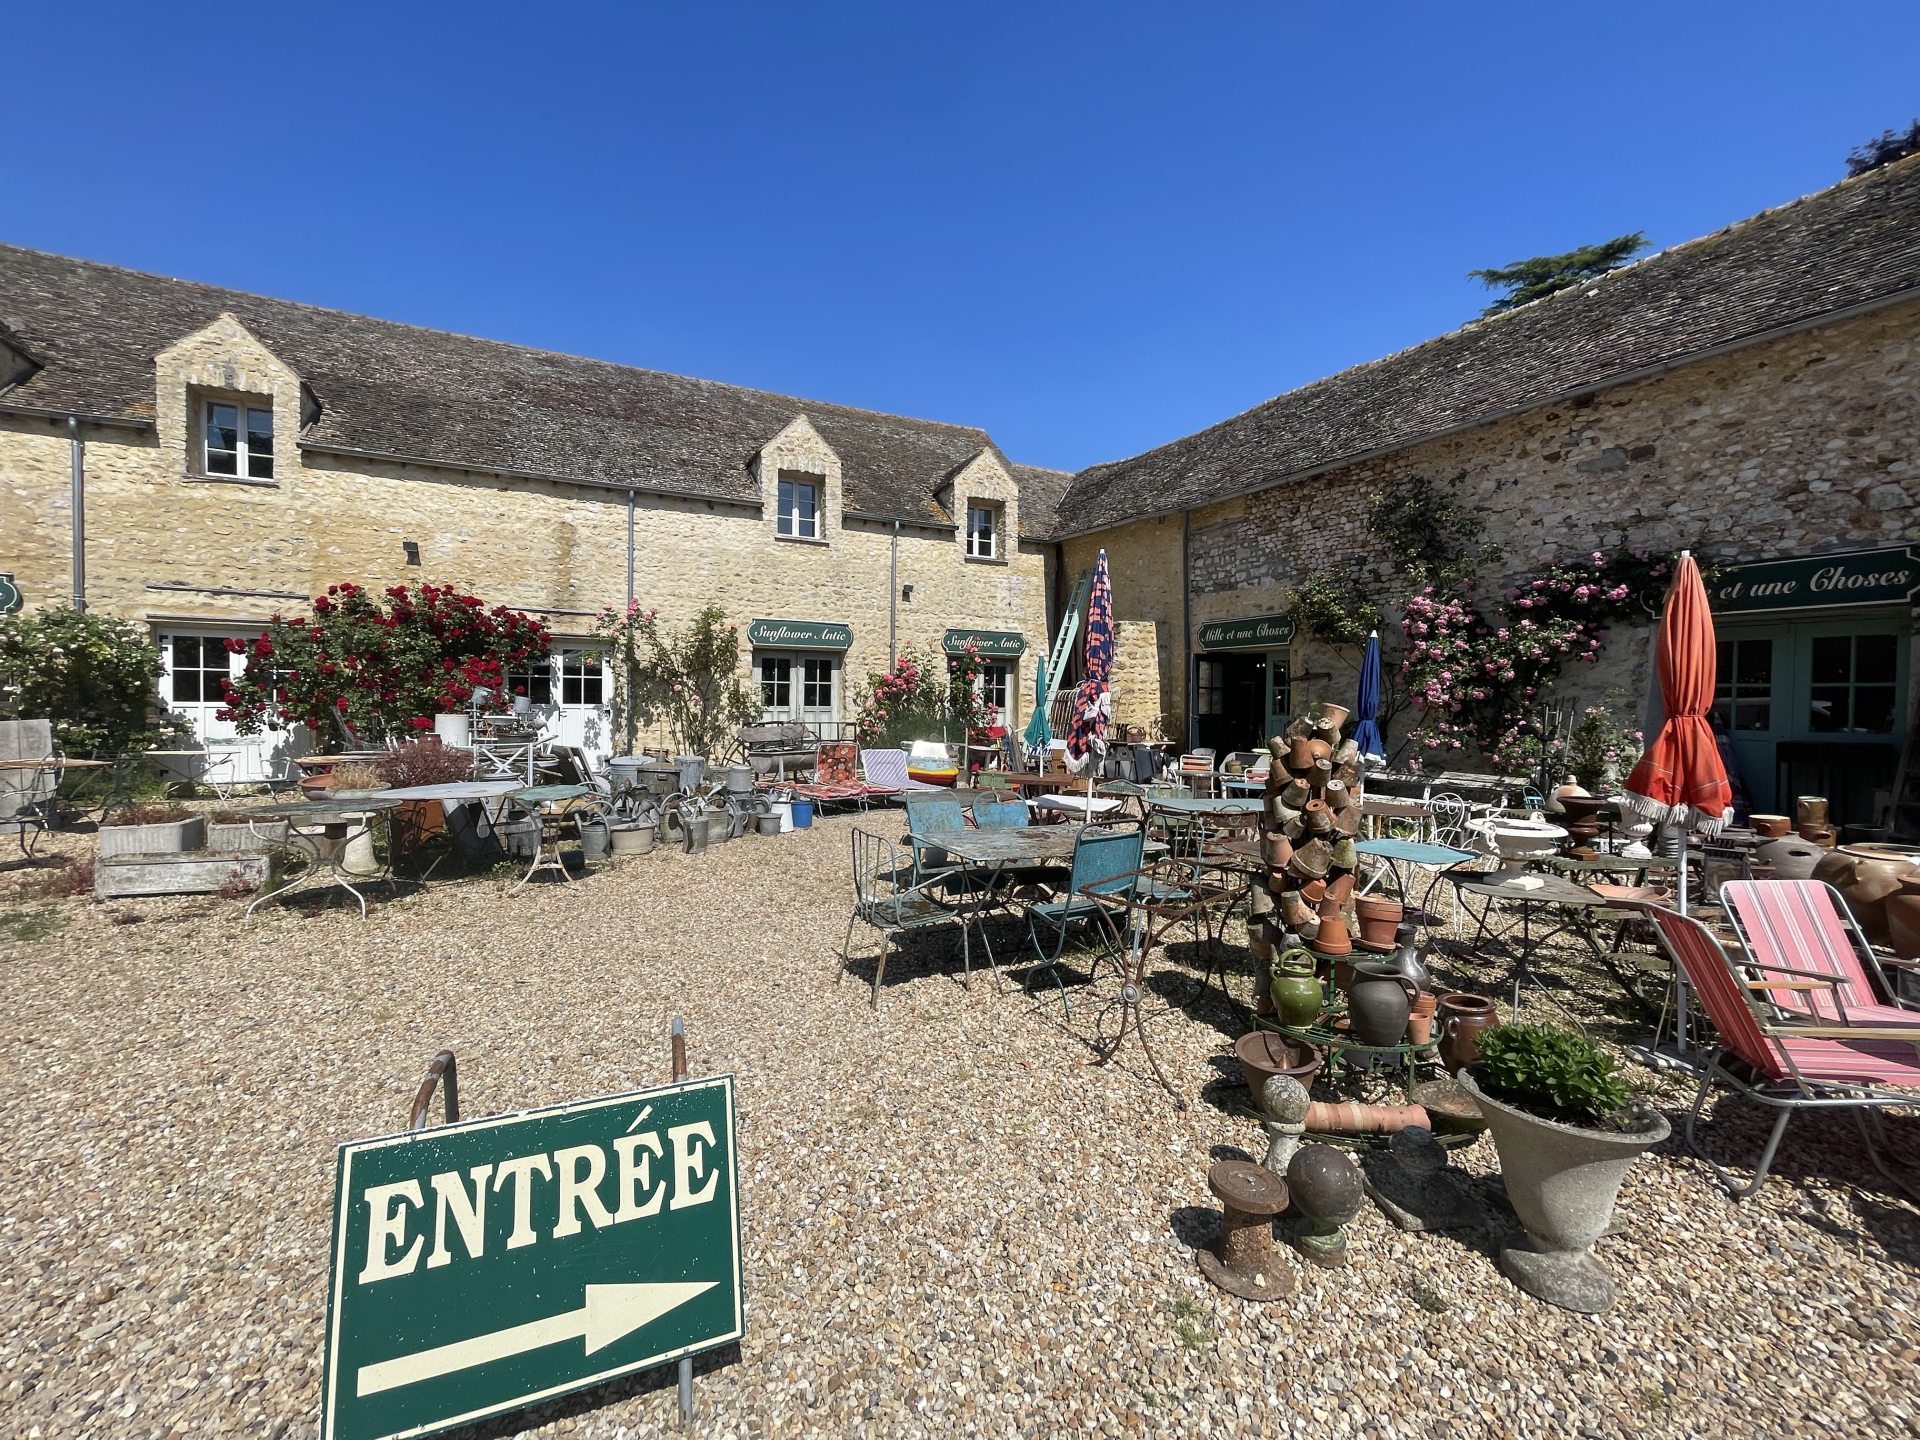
(1308, 824)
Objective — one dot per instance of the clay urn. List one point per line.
(1463, 1019)
(1903, 918)
(1262, 1055)
(1865, 876)
(1769, 827)
(1791, 858)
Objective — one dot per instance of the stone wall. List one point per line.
(167, 544)
(1807, 443)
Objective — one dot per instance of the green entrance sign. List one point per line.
(997, 644)
(1257, 632)
(1817, 582)
(9, 594)
(483, 1266)
(800, 634)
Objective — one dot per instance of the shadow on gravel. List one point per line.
(657, 1381)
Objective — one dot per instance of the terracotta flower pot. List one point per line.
(1314, 891)
(1339, 795)
(1379, 918)
(1299, 754)
(1771, 827)
(1321, 750)
(1340, 887)
(1317, 817)
(1332, 937)
(1420, 1018)
(1331, 717)
(1297, 913)
(1263, 1055)
(1276, 850)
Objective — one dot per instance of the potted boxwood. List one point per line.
(1566, 1126)
(152, 830)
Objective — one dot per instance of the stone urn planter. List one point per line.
(165, 837)
(1562, 1181)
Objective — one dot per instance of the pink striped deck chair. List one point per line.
(1803, 926)
(1791, 1063)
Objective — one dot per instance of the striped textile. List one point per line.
(1712, 976)
(1799, 925)
(886, 770)
(1886, 1062)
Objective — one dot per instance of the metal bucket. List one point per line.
(660, 779)
(696, 830)
(633, 840)
(739, 779)
(692, 769)
(625, 771)
(595, 843)
(719, 825)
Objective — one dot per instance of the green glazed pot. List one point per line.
(1296, 989)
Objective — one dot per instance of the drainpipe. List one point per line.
(893, 595)
(1186, 620)
(78, 450)
(629, 549)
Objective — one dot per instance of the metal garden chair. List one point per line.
(1773, 1054)
(1805, 926)
(932, 814)
(887, 898)
(1106, 868)
(28, 784)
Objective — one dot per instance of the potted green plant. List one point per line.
(152, 830)
(1566, 1126)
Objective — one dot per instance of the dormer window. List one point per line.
(236, 440)
(799, 513)
(983, 532)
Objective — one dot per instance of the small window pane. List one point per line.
(222, 440)
(1828, 710)
(1755, 663)
(1874, 659)
(186, 684)
(1832, 659)
(1873, 709)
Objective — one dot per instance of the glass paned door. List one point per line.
(799, 688)
(191, 689)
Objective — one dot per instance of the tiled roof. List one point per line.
(1852, 246)
(394, 389)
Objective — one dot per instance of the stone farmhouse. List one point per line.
(196, 458)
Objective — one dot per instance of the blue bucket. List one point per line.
(802, 814)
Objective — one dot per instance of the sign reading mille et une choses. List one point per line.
(993, 643)
(1857, 577)
(485, 1265)
(800, 634)
(1256, 632)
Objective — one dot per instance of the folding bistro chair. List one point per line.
(1772, 1053)
(1106, 867)
(933, 814)
(886, 897)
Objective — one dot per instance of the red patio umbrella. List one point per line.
(1680, 779)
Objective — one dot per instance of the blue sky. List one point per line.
(1088, 229)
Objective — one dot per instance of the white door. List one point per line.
(567, 695)
(800, 686)
(191, 688)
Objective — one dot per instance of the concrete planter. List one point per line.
(244, 838)
(1562, 1181)
(126, 875)
(171, 837)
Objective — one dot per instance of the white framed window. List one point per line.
(798, 686)
(994, 683)
(236, 440)
(582, 678)
(983, 532)
(799, 513)
(533, 680)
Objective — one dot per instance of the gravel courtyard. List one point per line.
(954, 1223)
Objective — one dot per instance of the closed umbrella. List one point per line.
(1680, 780)
(1039, 734)
(1092, 705)
(1366, 734)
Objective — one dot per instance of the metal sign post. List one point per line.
(685, 1377)
(483, 1265)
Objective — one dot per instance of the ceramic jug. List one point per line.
(1379, 1003)
(1463, 1020)
(1296, 989)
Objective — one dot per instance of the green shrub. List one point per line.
(92, 676)
(1552, 1072)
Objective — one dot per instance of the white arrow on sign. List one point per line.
(611, 1311)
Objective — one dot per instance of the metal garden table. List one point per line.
(1530, 894)
(338, 823)
(540, 801)
(989, 854)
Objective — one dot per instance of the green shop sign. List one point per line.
(800, 634)
(1858, 577)
(996, 644)
(9, 594)
(483, 1266)
(1258, 632)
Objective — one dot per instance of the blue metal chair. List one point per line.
(887, 897)
(933, 814)
(1106, 870)
(1007, 815)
